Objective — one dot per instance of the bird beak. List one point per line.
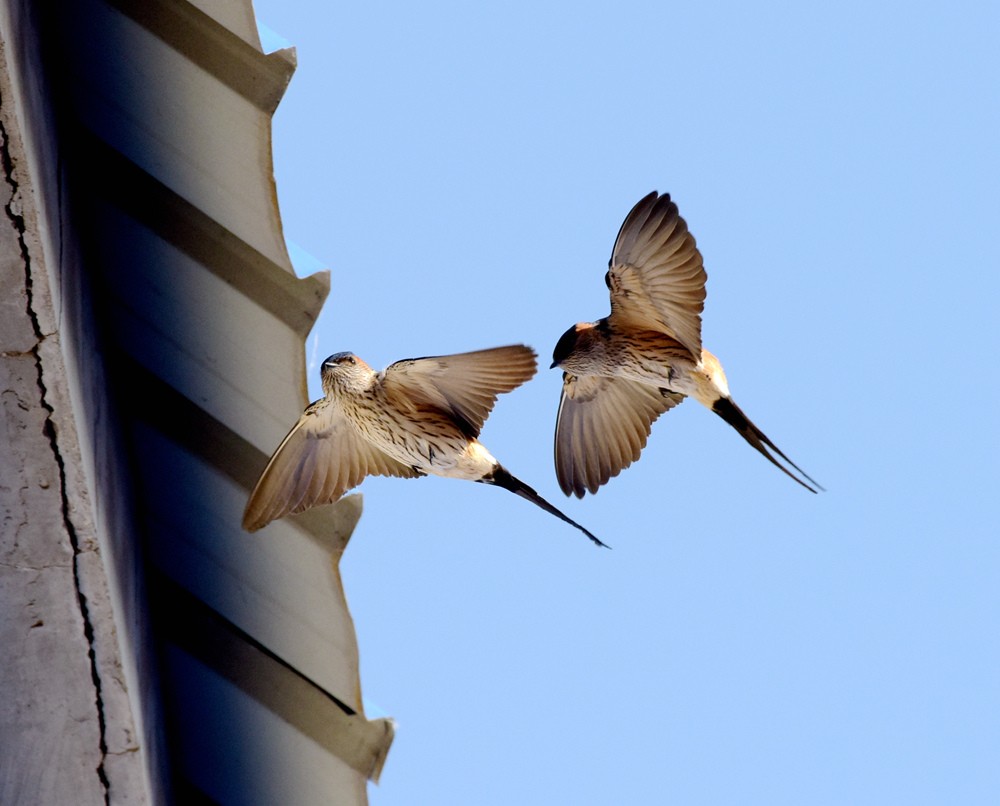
(553, 365)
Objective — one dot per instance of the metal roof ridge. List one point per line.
(211, 638)
(260, 78)
(295, 301)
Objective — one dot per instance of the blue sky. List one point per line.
(463, 171)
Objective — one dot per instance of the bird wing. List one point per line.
(464, 386)
(656, 275)
(320, 459)
(602, 426)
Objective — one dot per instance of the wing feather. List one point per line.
(602, 427)
(464, 386)
(656, 273)
(320, 459)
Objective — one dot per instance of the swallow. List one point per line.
(623, 371)
(417, 417)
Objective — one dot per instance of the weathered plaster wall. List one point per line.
(66, 729)
(52, 744)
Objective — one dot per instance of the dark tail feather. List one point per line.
(500, 477)
(732, 414)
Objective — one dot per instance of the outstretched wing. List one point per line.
(602, 427)
(656, 275)
(464, 386)
(321, 458)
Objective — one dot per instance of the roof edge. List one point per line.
(260, 78)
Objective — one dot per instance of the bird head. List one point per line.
(345, 372)
(570, 342)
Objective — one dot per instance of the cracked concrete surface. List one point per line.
(53, 723)
(66, 730)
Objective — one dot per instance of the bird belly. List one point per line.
(446, 457)
(667, 367)
(428, 442)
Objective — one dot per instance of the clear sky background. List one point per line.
(463, 171)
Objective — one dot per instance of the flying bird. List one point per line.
(625, 370)
(417, 417)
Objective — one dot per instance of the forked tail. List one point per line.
(733, 415)
(502, 478)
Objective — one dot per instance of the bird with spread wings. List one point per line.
(622, 372)
(417, 417)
